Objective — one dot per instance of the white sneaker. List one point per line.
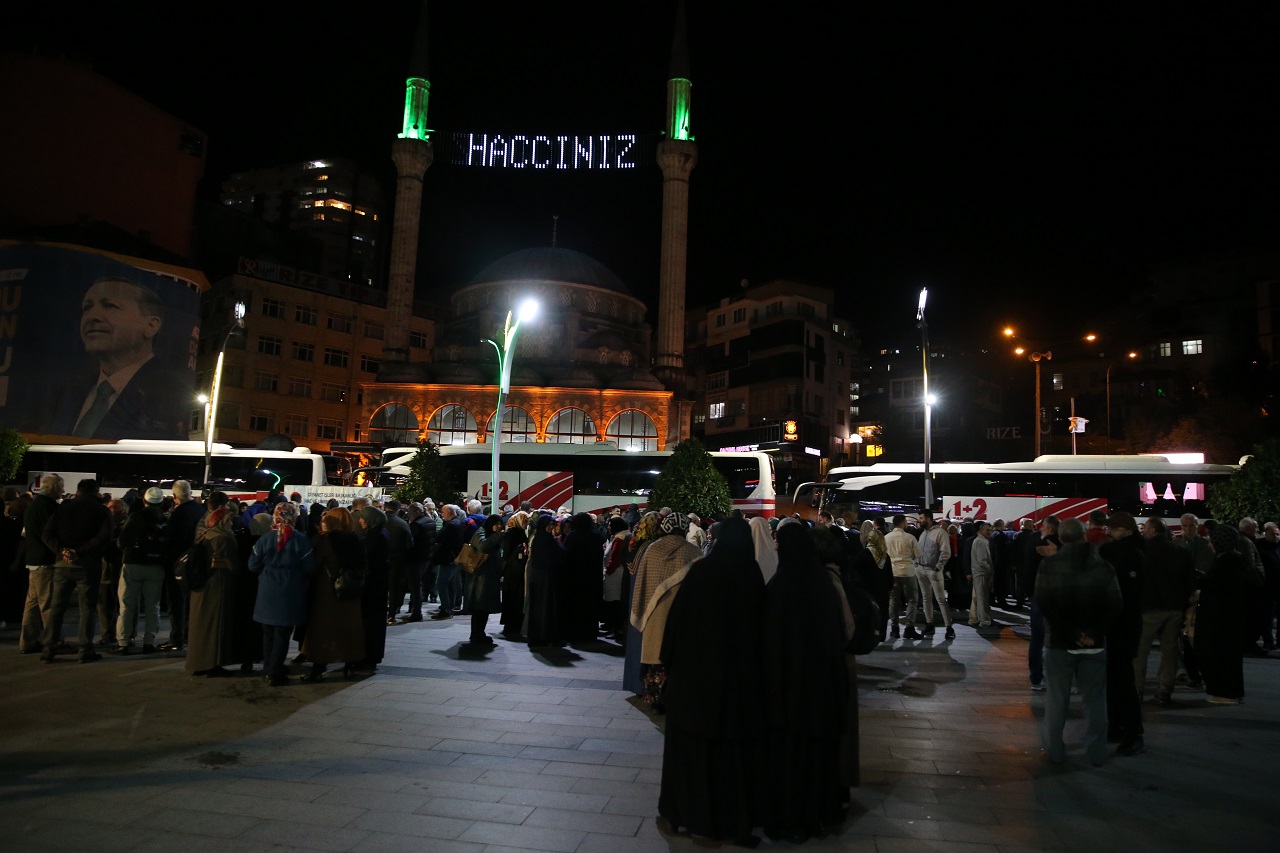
(1039, 687)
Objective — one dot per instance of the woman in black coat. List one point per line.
(486, 583)
(583, 588)
(1219, 630)
(714, 722)
(373, 522)
(543, 578)
(806, 692)
(515, 552)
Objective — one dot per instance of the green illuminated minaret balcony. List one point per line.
(679, 96)
(417, 91)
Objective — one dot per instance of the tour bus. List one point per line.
(583, 477)
(1065, 486)
(138, 464)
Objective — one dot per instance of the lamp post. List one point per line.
(211, 402)
(1036, 358)
(928, 401)
(1132, 355)
(506, 355)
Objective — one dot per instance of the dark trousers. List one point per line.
(275, 646)
(108, 609)
(415, 571)
(479, 626)
(1035, 654)
(397, 586)
(179, 600)
(1124, 706)
(85, 584)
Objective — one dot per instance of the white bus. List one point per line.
(139, 464)
(1065, 486)
(583, 477)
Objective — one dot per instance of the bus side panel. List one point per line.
(542, 489)
(1012, 509)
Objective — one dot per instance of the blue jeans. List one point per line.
(1035, 654)
(1090, 673)
(446, 580)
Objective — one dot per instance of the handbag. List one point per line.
(471, 558)
(195, 565)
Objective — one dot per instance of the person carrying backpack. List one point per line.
(145, 542)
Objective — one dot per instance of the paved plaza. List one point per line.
(512, 751)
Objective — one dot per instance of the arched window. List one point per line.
(571, 426)
(518, 426)
(394, 423)
(452, 424)
(633, 430)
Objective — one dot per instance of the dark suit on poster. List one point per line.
(153, 405)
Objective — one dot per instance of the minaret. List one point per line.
(412, 153)
(677, 155)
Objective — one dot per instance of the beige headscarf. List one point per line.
(766, 549)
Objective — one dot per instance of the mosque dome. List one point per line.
(550, 264)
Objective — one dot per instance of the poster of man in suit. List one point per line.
(100, 347)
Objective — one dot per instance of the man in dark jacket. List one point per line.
(77, 533)
(1077, 592)
(1166, 592)
(39, 561)
(423, 528)
(1037, 548)
(453, 535)
(183, 518)
(399, 544)
(1124, 709)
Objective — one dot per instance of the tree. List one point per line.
(1254, 491)
(429, 477)
(689, 482)
(12, 448)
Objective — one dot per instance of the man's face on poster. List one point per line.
(116, 322)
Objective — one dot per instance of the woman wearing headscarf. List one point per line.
(583, 588)
(335, 626)
(658, 578)
(765, 549)
(486, 583)
(373, 602)
(542, 578)
(284, 563)
(615, 552)
(874, 572)
(833, 551)
(807, 692)
(714, 731)
(1219, 630)
(646, 533)
(515, 553)
(215, 636)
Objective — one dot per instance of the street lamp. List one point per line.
(506, 355)
(1132, 355)
(928, 401)
(211, 402)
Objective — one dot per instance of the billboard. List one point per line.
(96, 346)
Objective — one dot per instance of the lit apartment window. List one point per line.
(317, 216)
(305, 314)
(268, 345)
(1195, 347)
(1166, 348)
(715, 410)
(322, 177)
(273, 308)
(1057, 382)
(303, 351)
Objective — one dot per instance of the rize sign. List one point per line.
(596, 152)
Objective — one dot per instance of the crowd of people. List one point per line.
(707, 610)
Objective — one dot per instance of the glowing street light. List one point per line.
(211, 401)
(928, 398)
(506, 355)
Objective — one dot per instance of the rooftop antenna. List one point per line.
(555, 221)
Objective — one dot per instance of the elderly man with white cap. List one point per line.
(144, 539)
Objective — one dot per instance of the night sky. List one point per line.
(1006, 158)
